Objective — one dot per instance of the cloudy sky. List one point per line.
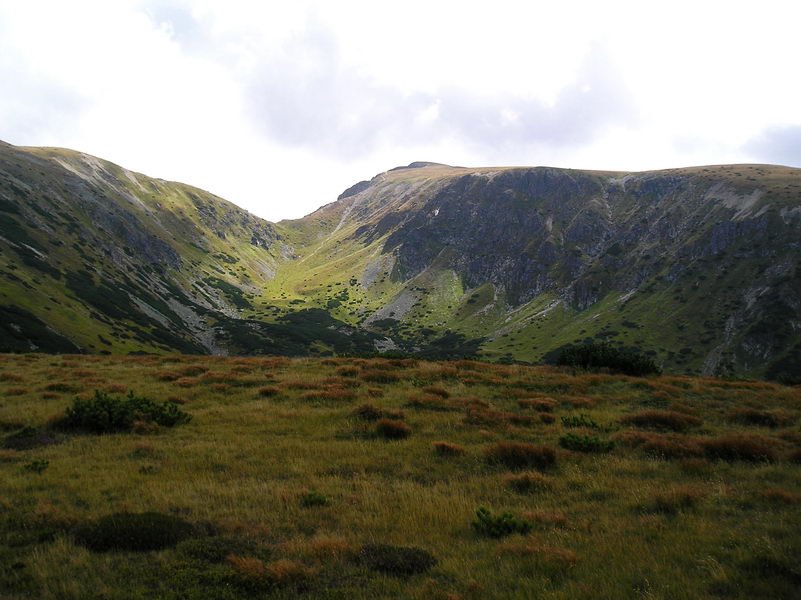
(279, 107)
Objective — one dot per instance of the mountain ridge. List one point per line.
(505, 263)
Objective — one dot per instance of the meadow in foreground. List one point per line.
(357, 478)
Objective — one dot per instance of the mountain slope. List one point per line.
(96, 258)
(698, 266)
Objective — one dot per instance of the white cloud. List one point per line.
(278, 107)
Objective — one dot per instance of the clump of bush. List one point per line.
(527, 482)
(392, 429)
(520, 455)
(313, 498)
(28, 438)
(665, 420)
(109, 414)
(135, 532)
(448, 449)
(604, 356)
(499, 525)
(400, 561)
(586, 443)
(573, 421)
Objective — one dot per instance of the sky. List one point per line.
(280, 106)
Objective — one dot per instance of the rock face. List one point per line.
(698, 266)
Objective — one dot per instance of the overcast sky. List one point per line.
(279, 106)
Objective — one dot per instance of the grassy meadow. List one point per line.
(363, 478)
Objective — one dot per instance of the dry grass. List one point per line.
(520, 455)
(663, 420)
(527, 482)
(448, 449)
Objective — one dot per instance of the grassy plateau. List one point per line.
(378, 478)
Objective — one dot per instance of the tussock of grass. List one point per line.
(664, 420)
(520, 455)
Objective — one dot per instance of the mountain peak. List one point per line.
(420, 164)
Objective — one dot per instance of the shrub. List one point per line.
(313, 498)
(391, 429)
(37, 466)
(605, 356)
(134, 532)
(107, 414)
(740, 446)
(28, 438)
(579, 421)
(400, 561)
(527, 482)
(585, 443)
(546, 418)
(500, 525)
(520, 455)
(448, 449)
(780, 496)
(665, 420)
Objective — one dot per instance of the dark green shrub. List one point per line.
(28, 438)
(313, 499)
(604, 356)
(585, 443)
(396, 560)
(37, 466)
(500, 525)
(579, 421)
(108, 414)
(133, 532)
(520, 455)
(368, 412)
(393, 430)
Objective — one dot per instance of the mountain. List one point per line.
(697, 266)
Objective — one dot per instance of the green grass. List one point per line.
(618, 524)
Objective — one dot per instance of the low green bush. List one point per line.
(605, 356)
(572, 421)
(396, 560)
(499, 525)
(585, 443)
(135, 532)
(109, 414)
(313, 498)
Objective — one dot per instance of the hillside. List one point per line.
(698, 266)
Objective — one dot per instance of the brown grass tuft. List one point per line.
(520, 455)
(661, 445)
(527, 482)
(549, 557)
(742, 446)
(448, 449)
(673, 501)
(392, 429)
(437, 391)
(283, 572)
(781, 496)
(663, 420)
(379, 376)
(760, 418)
(538, 404)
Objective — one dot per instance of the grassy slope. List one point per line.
(617, 525)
